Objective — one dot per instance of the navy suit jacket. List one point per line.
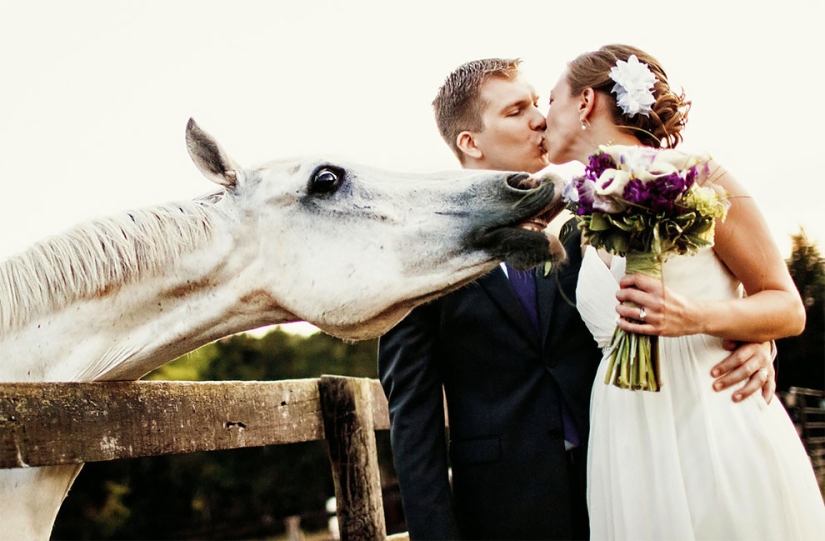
(503, 383)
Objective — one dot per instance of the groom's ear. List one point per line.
(466, 143)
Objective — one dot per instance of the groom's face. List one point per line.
(512, 136)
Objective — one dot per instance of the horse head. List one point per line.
(352, 249)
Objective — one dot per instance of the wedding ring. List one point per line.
(642, 313)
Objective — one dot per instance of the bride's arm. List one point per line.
(772, 308)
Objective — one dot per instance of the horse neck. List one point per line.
(208, 294)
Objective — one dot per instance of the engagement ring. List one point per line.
(642, 313)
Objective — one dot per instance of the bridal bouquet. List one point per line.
(644, 204)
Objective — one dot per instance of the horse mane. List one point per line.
(98, 256)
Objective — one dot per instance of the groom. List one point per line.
(510, 354)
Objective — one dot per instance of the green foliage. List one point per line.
(642, 231)
(189, 367)
(807, 267)
(277, 355)
(801, 359)
(223, 494)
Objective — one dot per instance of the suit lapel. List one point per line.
(498, 287)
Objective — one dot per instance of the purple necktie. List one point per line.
(524, 284)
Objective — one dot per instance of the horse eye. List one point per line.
(325, 180)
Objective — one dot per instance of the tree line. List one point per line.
(800, 360)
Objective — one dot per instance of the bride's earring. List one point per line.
(581, 120)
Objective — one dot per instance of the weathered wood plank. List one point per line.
(347, 407)
(62, 423)
(380, 409)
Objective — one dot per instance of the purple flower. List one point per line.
(661, 193)
(636, 192)
(690, 177)
(599, 163)
(584, 187)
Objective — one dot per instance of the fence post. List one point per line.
(346, 404)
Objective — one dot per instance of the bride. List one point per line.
(683, 463)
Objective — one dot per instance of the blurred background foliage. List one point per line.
(248, 493)
(800, 360)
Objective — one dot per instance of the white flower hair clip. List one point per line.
(634, 86)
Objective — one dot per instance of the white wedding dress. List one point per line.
(687, 462)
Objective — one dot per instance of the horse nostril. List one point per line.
(522, 181)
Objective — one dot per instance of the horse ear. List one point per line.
(209, 157)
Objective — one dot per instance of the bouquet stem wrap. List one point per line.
(634, 358)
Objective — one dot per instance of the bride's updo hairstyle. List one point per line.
(668, 114)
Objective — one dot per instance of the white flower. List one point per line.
(634, 85)
(612, 182)
(608, 205)
(647, 163)
(678, 159)
(570, 193)
(630, 158)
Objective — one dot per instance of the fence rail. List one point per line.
(45, 424)
(63, 423)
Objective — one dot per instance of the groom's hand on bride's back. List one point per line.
(751, 363)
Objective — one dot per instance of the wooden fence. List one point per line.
(807, 409)
(65, 423)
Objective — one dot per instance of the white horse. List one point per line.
(345, 247)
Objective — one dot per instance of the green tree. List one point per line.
(801, 359)
(224, 494)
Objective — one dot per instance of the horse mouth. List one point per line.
(534, 225)
(538, 223)
(523, 242)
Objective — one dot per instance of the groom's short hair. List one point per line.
(458, 105)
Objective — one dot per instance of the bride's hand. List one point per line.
(654, 309)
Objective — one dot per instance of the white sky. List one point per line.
(95, 95)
